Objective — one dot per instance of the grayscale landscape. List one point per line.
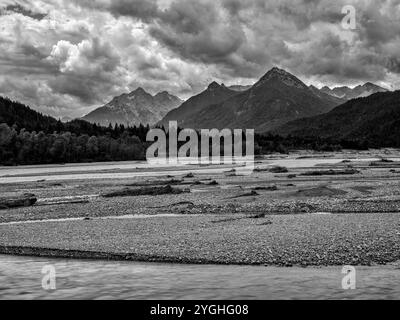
(86, 90)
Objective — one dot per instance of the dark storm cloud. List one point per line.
(242, 36)
(136, 8)
(199, 31)
(17, 8)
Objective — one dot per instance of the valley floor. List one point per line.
(328, 209)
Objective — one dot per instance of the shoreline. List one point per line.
(105, 256)
(129, 257)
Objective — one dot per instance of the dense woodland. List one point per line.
(28, 137)
(275, 143)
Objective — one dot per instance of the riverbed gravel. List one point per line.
(305, 240)
(305, 220)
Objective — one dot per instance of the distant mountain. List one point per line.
(375, 119)
(66, 119)
(186, 114)
(240, 88)
(326, 96)
(278, 97)
(360, 91)
(137, 107)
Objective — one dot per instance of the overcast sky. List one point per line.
(66, 57)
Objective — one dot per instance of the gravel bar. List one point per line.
(280, 240)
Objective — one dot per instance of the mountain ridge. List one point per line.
(375, 119)
(134, 108)
(186, 113)
(359, 91)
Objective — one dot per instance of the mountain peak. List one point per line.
(213, 85)
(282, 75)
(372, 86)
(164, 96)
(139, 90)
(137, 107)
(277, 70)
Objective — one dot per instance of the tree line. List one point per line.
(267, 143)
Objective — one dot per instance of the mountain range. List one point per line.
(373, 120)
(279, 103)
(137, 107)
(278, 97)
(352, 93)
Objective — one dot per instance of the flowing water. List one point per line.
(21, 278)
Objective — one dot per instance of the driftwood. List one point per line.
(173, 182)
(144, 191)
(25, 200)
(257, 216)
(181, 203)
(330, 172)
(82, 201)
(249, 194)
(278, 169)
(271, 188)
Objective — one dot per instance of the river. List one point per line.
(21, 278)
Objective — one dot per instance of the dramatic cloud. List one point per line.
(67, 57)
